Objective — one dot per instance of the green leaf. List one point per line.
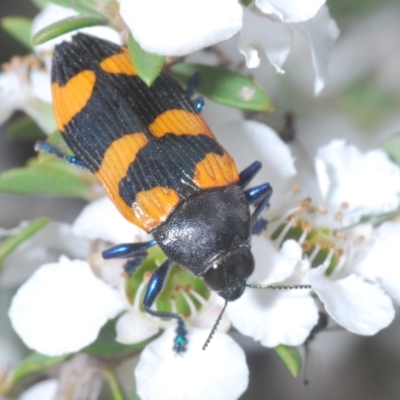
(8, 245)
(392, 148)
(19, 28)
(148, 66)
(34, 363)
(67, 25)
(50, 177)
(106, 344)
(291, 358)
(114, 386)
(25, 128)
(224, 86)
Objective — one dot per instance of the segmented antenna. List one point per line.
(214, 328)
(278, 286)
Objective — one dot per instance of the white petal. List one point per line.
(274, 317)
(261, 32)
(14, 94)
(369, 183)
(380, 263)
(249, 141)
(273, 265)
(62, 308)
(218, 372)
(101, 220)
(319, 33)
(292, 10)
(45, 390)
(41, 85)
(360, 307)
(179, 27)
(134, 328)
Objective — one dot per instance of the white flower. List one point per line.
(25, 86)
(181, 27)
(333, 254)
(218, 372)
(45, 390)
(62, 307)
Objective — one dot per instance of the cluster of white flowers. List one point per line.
(314, 236)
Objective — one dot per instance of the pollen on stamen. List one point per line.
(344, 206)
(359, 239)
(321, 209)
(296, 187)
(339, 216)
(306, 246)
(146, 276)
(339, 235)
(304, 204)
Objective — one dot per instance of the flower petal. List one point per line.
(319, 33)
(62, 308)
(274, 317)
(369, 183)
(261, 32)
(45, 390)
(179, 27)
(360, 307)
(198, 374)
(290, 11)
(249, 141)
(101, 220)
(134, 328)
(380, 263)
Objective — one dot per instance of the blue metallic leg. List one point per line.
(136, 251)
(153, 290)
(258, 196)
(127, 250)
(193, 83)
(48, 148)
(248, 174)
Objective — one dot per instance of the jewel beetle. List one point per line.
(161, 166)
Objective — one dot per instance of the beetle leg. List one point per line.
(193, 83)
(259, 196)
(259, 225)
(249, 173)
(154, 288)
(127, 250)
(48, 148)
(131, 265)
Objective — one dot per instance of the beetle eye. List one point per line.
(230, 275)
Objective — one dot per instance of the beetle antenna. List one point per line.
(214, 328)
(278, 286)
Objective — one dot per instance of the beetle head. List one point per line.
(228, 274)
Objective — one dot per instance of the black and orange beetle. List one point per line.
(161, 166)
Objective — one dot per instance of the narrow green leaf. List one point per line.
(25, 128)
(50, 177)
(291, 358)
(34, 363)
(19, 28)
(147, 65)
(224, 86)
(114, 386)
(106, 344)
(66, 25)
(8, 245)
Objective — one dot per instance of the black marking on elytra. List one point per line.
(168, 161)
